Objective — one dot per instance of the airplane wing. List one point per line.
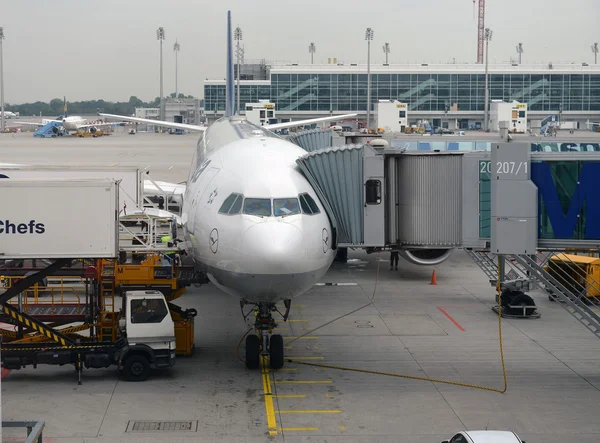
(99, 124)
(36, 123)
(157, 122)
(151, 186)
(306, 122)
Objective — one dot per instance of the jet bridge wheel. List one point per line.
(252, 352)
(276, 351)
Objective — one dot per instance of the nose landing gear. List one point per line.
(264, 343)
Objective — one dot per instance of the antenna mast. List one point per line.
(480, 30)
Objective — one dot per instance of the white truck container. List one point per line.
(58, 218)
(131, 186)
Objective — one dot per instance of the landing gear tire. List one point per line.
(276, 351)
(252, 352)
(136, 368)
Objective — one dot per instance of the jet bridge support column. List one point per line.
(514, 218)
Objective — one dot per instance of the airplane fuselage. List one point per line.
(73, 123)
(251, 220)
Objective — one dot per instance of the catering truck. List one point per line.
(63, 222)
(146, 340)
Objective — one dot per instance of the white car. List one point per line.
(485, 437)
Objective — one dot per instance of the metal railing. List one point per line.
(34, 429)
(565, 282)
(52, 296)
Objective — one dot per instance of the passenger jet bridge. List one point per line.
(505, 202)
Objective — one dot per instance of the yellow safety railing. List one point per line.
(53, 296)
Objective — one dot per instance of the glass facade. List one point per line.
(422, 92)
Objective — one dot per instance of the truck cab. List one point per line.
(149, 330)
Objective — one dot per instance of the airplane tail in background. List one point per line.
(65, 107)
(229, 96)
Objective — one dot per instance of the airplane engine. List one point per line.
(93, 130)
(426, 257)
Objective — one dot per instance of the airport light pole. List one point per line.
(488, 37)
(520, 51)
(368, 38)
(386, 51)
(1, 82)
(237, 35)
(176, 48)
(594, 50)
(160, 35)
(312, 49)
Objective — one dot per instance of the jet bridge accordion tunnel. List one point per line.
(379, 199)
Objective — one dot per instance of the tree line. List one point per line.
(87, 107)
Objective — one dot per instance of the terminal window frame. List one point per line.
(308, 204)
(373, 192)
(232, 204)
(278, 211)
(257, 201)
(155, 311)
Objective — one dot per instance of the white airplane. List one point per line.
(251, 220)
(74, 123)
(8, 114)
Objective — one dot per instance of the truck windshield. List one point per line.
(148, 310)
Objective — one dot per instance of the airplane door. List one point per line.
(374, 201)
(203, 183)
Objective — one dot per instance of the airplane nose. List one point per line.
(274, 244)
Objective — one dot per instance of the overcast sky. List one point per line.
(108, 49)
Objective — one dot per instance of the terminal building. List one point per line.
(180, 110)
(449, 94)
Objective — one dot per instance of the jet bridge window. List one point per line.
(257, 206)
(308, 205)
(148, 310)
(373, 192)
(285, 206)
(232, 204)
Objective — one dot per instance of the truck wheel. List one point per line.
(136, 368)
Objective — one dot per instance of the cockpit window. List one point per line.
(257, 206)
(308, 205)
(232, 204)
(285, 206)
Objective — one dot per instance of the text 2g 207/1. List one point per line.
(513, 168)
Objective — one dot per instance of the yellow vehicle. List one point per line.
(96, 133)
(576, 272)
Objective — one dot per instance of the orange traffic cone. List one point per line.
(433, 278)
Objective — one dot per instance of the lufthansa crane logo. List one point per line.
(212, 196)
(213, 240)
(325, 238)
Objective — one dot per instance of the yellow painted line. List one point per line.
(298, 321)
(298, 429)
(297, 357)
(287, 369)
(306, 337)
(113, 164)
(342, 428)
(290, 396)
(309, 411)
(266, 379)
(304, 382)
(288, 347)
